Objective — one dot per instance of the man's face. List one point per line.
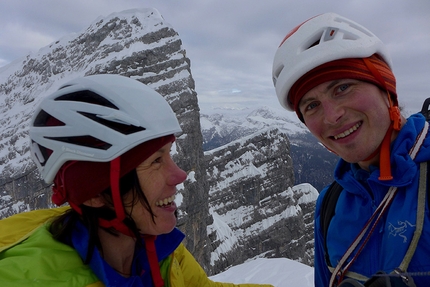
(349, 117)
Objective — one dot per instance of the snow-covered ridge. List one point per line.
(226, 126)
(107, 41)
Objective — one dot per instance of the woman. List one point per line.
(104, 141)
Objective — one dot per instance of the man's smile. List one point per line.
(347, 132)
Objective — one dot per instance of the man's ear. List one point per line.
(96, 201)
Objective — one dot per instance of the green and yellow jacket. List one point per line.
(29, 256)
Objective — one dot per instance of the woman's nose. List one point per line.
(177, 175)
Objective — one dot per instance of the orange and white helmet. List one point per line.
(319, 40)
(328, 47)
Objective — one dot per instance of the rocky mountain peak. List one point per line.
(243, 187)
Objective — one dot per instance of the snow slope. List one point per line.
(280, 272)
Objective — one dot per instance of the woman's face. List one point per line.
(158, 176)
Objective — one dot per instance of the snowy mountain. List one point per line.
(239, 202)
(306, 152)
(280, 272)
(251, 192)
(224, 127)
(136, 43)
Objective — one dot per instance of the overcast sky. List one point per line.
(231, 43)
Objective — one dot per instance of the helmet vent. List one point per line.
(353, 31)
(313, 41)
(43, 119)
(330, 33)
(41, 153)
(125, 129)
(87, 141)
(350, 36)
(87, 97)
(277, 72)
(314, 44)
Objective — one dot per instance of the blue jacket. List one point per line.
(361, 196)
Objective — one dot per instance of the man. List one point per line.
(336, 75)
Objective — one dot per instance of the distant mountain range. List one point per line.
(312, 163)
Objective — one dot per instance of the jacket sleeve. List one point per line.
(321, 271)
(30, 256)
(18, 227)
(193, 274)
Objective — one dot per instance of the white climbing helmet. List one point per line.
(321, 39)
(96, 118)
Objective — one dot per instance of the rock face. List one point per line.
(238, 201)
(137, 44)
(250, 196)
(312, 162)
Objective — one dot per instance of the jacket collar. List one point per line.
(165, 245)
(403, 167)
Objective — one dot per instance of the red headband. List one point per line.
(354, 68)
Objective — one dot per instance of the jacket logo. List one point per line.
(402, 227)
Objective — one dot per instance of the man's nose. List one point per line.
(332, 112)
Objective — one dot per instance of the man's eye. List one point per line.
(312, 106)
(157, 160)
(343, 87)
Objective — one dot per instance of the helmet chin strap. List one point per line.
(119, 225)
(118, 222)
(395, 117)
(384, 155)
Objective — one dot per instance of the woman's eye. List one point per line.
(312, 106)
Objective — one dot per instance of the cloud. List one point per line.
(16, 36)
(231, 44)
